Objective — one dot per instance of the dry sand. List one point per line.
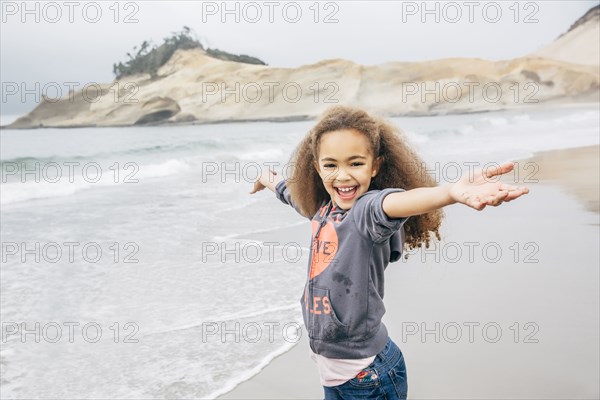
(541, 295)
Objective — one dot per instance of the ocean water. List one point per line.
(131, 264)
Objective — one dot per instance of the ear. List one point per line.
(316, 165)
(376, 166)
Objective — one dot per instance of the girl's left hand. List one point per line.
(484, 188)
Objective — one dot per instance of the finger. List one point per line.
(496, 203)
(514, 189)
(500, 199)
(492, 202)
(517, 193)
(477, 203)
(496, 199)
(512, 196)
(499, 170)
(507, 187)
(254, 189)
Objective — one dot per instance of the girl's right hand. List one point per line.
(266, 176)
(257, 187)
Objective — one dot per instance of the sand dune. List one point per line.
(579, 44)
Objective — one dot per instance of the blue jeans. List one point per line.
(384, 378)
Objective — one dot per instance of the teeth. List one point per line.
(346, 189)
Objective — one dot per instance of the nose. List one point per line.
(341, 174)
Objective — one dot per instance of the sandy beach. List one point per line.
(516, 317)
(139, 261)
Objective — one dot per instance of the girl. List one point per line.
(360, 184)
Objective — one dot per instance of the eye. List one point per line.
(328, 166)
(356, 164)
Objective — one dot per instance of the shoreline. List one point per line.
(291, 373)
(298, 118)
(573, 171)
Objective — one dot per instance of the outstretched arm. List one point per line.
(278, 185)
(481, 189)
(268, 179)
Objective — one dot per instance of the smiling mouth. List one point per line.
(347, 193)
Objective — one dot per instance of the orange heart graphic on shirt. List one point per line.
(324, 248)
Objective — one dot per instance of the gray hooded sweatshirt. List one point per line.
(342, 302)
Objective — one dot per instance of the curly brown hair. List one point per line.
(397, 169)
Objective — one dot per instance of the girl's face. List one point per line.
(346, 165)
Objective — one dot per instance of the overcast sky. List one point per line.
(86, 38)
